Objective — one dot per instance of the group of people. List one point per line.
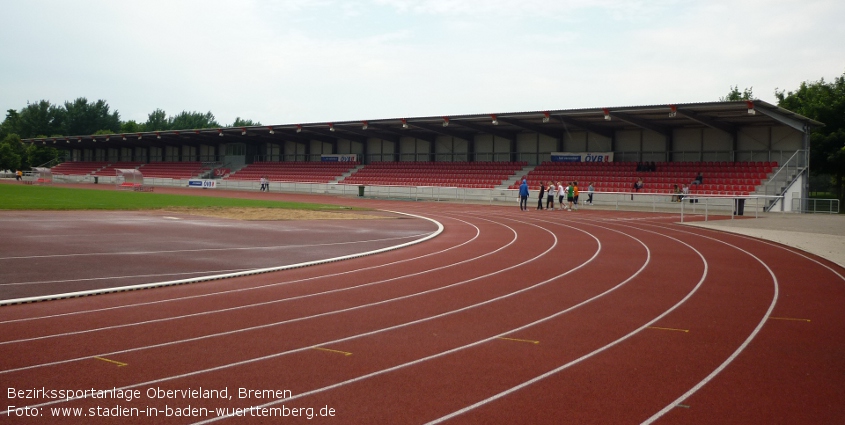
(568, 193)
(679, 193)
(265, 184)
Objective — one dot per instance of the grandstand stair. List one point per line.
(516, 179)
(348, 173)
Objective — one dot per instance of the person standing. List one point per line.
(523, 196)
(561, 193)
(550, 196)
(590, 190)
(18, 175)
(542, 193)
(570, 195)
(575, 193)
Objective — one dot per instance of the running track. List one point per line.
(506, 317)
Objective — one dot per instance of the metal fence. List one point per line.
(813, 205)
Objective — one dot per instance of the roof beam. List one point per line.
(307, 135)
(439, 129)
(710, 122)
(531, 127)
(337, 135)
(642, 123)
(601, 131)
(404, 133)
(484, 129)
(369, 133)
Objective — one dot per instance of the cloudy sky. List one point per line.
(292, 61)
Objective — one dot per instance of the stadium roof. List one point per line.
(663, 119)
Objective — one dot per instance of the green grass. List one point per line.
(21, 197)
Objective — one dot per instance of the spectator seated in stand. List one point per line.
(699, 179)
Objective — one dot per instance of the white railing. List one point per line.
(813, 205)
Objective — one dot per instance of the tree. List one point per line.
(244, 123)
(40, 117)
(190, 120)
(131, 127)
(11, 124)
(40, 155)
(84, 118)
(824, 102)
(735, 94)
(9, 159)
(11, 152)
(157, 121)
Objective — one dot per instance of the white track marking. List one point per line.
(252, 288)
(588, 355)
(739, 349)
(227, 366)
(298, 297)
(274, 323)
(476, 343)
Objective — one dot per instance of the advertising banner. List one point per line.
(204, 184)
(347, 157)
(582, 156)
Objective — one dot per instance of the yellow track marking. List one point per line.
(345, 353)
(520, 340)
(119, 364)
(788, 318)
(669, 329)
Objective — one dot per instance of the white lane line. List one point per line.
(119, 277)
(588, 355)
(244, 248)
(739, 349)
(231, 275)
(263, 303)
(276, 355)
(252, 288)
(479, 342)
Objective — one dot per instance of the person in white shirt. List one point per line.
(561, 193)
(590, 190)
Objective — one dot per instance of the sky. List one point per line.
(298, 61)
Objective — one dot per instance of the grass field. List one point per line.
(21, 197)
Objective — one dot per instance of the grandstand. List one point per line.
(740, 147)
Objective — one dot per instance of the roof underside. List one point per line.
(728, 117)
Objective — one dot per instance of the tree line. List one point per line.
(83, 117)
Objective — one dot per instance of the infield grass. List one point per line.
(23, 197)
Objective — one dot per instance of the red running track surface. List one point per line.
(506, 317)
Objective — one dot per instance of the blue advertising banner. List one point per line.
(582, 156)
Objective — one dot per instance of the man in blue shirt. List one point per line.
(523, 195)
